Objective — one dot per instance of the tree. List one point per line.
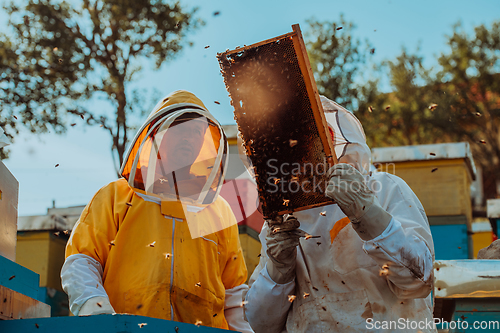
(336, 58)
(469, 101)
(403, 116)
(67, 56)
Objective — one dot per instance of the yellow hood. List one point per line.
(144, 162)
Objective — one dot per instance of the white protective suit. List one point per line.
(342, 283)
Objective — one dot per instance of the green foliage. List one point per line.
(458, 101)
(59, 56)
(336, 58)
(469, 107)
(402, 117)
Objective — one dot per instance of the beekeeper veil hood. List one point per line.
(348, 136)
(179, 154)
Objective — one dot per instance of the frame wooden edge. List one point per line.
(303, 59)
(267, 41)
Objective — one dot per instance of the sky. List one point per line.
(83, 153)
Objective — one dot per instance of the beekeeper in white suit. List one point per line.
(371, 269)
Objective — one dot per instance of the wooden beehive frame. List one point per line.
(312, 93)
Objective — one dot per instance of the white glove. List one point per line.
(282, 240)
(349, 190)
(96, 306)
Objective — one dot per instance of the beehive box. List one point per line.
(482, 236)
(9, 191)
(43, 253)
(439, 174)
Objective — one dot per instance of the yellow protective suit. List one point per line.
(152, 264)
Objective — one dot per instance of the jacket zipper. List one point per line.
(172, 270)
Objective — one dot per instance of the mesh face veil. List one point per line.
(348, 136)
(180, 154)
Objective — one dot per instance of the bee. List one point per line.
(168, 255)
(370, 109)
(435, 169)
(152, 244)
(207, 46)
(291, 298)
(306, 295)
(198, 322)
(482, 141)
(57, 165)
(112, 243)
(141, 325)
(286, 201)
(293, 143)
(198, 284)
(432, 107)
(128, 204)
(323, 213)
(99, 304)
(432, 154)
(384, 271)
(387, 107)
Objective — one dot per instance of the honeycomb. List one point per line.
(276, 120)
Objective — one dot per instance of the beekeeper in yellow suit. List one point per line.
(161, 242)
(371, 269)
